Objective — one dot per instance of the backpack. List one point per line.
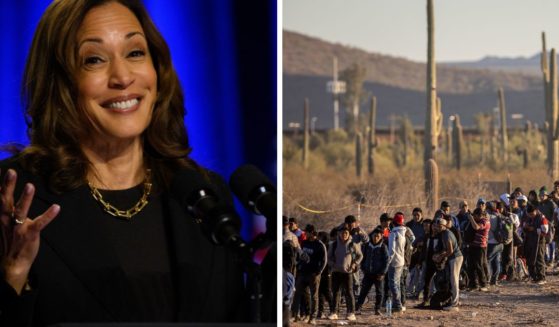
(503, 233)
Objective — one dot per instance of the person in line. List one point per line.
(429, 266)
(535, 228)
(396, 261)
(294, 228)
(374, 266)
(95, 232)
(344, 256)
(495, 245)
(477, 250)
(416, 267)
(308, 276)
(325, 287)
(547, 207)
(451, 252)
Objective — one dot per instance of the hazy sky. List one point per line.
(464, 29)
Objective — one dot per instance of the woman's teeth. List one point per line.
(123, 104)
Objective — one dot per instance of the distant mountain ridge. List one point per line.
(305, 55)
(399, 84)
(530, 65)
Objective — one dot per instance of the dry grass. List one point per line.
(335, 193)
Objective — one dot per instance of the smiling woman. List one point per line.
(90, 229)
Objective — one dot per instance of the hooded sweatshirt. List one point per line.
(342, 254)
(396, 246)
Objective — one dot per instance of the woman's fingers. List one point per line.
(39, 223)
(22, 207)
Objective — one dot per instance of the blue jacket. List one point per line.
(375, 259)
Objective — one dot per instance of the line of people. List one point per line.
(512, 238)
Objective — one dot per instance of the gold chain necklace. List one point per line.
(124, 214)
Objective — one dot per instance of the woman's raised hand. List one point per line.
(19, 235)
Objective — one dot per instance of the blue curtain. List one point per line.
(225, 54)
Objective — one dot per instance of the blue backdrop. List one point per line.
(225, 54)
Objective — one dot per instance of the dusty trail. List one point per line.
(511, 304)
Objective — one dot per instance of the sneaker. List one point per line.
(450, 308)
(322, 315)
(484, 289)
(541, 282)
(333, 316)
(351, 317)
(422, 305)
(312, 321)
(502, 277)
(377, 312)
(399, 310)
(403, 309)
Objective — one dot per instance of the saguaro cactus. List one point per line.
(307, 124)
(458, 140)
(371, 141)
(433, 118)
(432, 184)
(553, 133)
(358, 156)
(548, 110)
(503, 115)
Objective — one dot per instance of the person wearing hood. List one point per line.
(396, 260)
(344, 256)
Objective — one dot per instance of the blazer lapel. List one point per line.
(79, 242)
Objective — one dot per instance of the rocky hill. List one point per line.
(399, 84)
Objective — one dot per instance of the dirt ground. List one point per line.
(510, 304)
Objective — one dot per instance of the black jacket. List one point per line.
(67, 286)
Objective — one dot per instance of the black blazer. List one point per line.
(67, 285)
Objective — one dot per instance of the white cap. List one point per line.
(522, 198)
(505, 199)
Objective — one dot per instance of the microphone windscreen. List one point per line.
(245, 180)
(188, 182)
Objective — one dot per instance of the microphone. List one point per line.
(257, 193)
(219, 219)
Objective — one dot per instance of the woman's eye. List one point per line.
(92, 60)
(137, 53)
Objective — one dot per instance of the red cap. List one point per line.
(398, 219)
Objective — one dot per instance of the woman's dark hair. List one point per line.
(57, 125)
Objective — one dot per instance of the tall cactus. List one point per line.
(553, 125)
(458, 140)
(546, 82)
(433, 118)
(358, 156)
(503, 115)
(371, 141)
(432, 184)
(307, 124)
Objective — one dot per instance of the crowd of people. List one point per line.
(429, 259)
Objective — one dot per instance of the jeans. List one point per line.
(342, 280)
(507, 260)
(550, 252)
(306, 285)
(403, 285)
(394, 280)
(494, 252)
(368, 281)
(325, 292)
(416, 280)
(455, 265)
